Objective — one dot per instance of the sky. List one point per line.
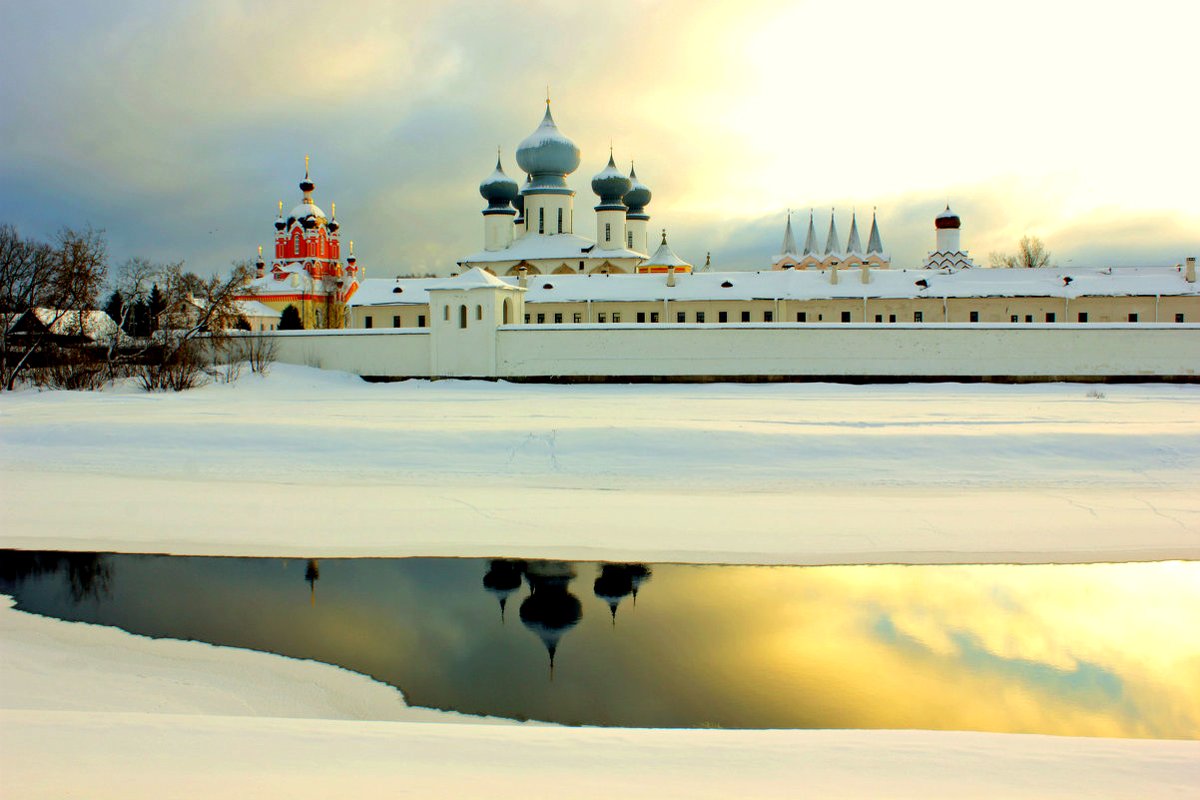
(177, 127)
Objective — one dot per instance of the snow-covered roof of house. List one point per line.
(815, 285)
(93, 324)
(253, 308)
(565, 246)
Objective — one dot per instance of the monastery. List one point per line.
(530, 243)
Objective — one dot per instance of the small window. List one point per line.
(879, 317)
(726, 285)
(446, 314)
(801, 316)
(845, 316)
(396, 321)
(768, 316)
(1179, 318)
(541, 220)
(526, 319)
(1050, 317)
(1014, 318)
(641, 316)
(547, 285)
(462, 316)
(974, 316)
(699, 316)
(578, 317)
(1083, 316)
(541, 319)
(1029, 317)
(722, 316)
(560, 227)
(918, 316)
(558, 318)
(608, 231)
(681, 316)
(478, 312)
(1133, 317)
(616, 316)
(654, 316)
(368, 322)
(581, 266)
(745, 316)
(891, 317)
(398, 290)
(421, 321)
(630, 237)
(602, 317)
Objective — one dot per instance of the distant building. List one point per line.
(532, 227)
(949, 253)
(813, 256)
(307, 269)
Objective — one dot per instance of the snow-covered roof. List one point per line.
(92, 324)
(253, 308)
(394, 292)
(565, 246)
(815, 285)
(474, 278)
(305, 209)
(664, 256)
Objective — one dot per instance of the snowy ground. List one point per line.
(315, 464)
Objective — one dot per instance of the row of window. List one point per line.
(700, 317)
(369, 321)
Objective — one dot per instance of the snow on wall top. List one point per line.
(815, 285)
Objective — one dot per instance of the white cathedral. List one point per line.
(531, 227)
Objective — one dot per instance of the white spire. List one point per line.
(831, 241)
(789, 241)
(811, 248)
(854, 244)
(874, 244)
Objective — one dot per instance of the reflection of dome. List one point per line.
(503, 579)
(947, 219)
(498, 189)
(550, 611)
(614, 584)
(638, 196)
(548, 157)
(611, 185)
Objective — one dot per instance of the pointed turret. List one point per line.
(874, 243)
(853, 243)
(811, 248)
(789, 240)
(831, 241)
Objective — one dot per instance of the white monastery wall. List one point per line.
(926, 350)
(1055, 350)
(391, 352)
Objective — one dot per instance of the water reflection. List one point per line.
(1106, 650)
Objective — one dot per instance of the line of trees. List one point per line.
(169, 322)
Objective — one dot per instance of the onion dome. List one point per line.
(613, 585)
(947, 219)
(260, 263)
(638, 196)
(611, 185)
(548, 157)
(280, 224)
(333, 223)
(503, 579)
(499, 190)
(306, 185)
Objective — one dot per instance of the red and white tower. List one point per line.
(307, 271)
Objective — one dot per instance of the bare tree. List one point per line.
(1031, 254)
(197, 311)
(65, 278)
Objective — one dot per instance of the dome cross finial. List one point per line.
(333, 209)
(664, 235)
(260, 251)
(306, 165)
(281, 208)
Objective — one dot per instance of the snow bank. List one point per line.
(310, 463)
